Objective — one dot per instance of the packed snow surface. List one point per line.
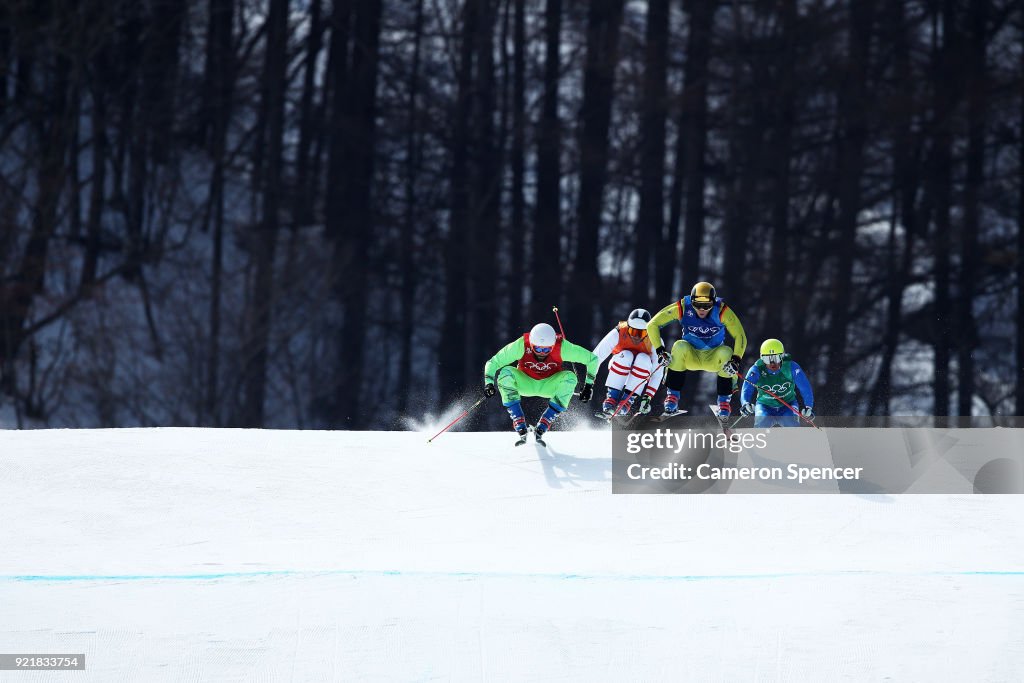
(246, 555)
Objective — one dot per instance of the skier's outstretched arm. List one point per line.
(604, 348)
(509, 354)
(577, 354)
(734, 327)
(803, 385)
(661, 318)
(748, 393)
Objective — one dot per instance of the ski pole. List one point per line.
(736, 421)
(464, 414)
(562, 330)
(779, 399)
(559, 319)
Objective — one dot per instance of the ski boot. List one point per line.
(608, 407)
(545, 422)
(724, 409)
(610, 403)
(671, 406)
(522, 432)
(625, 405)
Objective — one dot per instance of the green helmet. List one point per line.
(771, 351)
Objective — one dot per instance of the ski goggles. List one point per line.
(633, 332)
(772, 358)
(542, 350)
(703, 305)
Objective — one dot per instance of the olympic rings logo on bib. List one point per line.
(777, 388)
(540, 367)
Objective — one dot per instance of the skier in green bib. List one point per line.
(776, 373)
(537, 357)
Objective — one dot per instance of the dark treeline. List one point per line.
(331, 213)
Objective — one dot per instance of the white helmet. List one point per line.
(542, 335)
(638, 318)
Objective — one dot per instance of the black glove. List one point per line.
(664, 357)
(489, 389)
(586, 392)
(732, 366)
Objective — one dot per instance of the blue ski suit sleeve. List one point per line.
(747, 395)
(803, 385)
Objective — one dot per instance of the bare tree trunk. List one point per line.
(338, 172)
(695, 131)
(654, 111)
(264, 242)
(19, 291)
(6, 58)
(852, 112)
(518, 161)
(461, 245)
(745, 162)
(1019, 408)
(784, 115)
(906, 185)
(336, 86)
(97, 192)
(158, 67)
(74, 146)
(160, 72)
(945, 98)
(486, 196)
(977, 101)
(25, 48)
(357, 217)
(745, 156)
(308, 123)
(546, 245)
(604, 18)
(220, 68)
(218, 25)
(408, 240)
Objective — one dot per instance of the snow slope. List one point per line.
(244, 555)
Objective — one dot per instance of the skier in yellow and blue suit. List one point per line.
(704, 319)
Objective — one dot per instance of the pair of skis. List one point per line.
(630, 419)
(726, 427)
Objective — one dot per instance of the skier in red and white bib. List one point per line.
(633, 363)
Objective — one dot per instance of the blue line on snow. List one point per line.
(355, 573)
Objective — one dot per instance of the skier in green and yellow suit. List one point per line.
(538, 356)
(705, 319)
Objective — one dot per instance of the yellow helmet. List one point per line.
(772, 346)
(771, 351)
(702, 293)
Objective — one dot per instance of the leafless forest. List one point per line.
(305, 213)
